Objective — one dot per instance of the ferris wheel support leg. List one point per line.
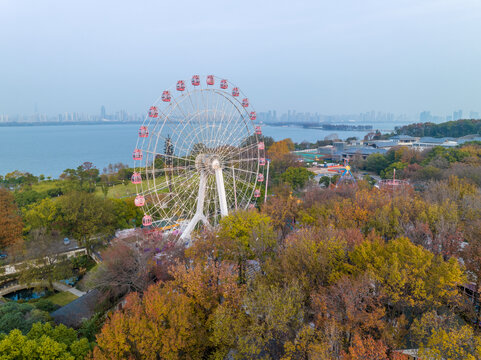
(199, 213)
(219, 179)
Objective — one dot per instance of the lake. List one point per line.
(49, 150)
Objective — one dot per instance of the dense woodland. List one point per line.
(455, 129)
(353, 272)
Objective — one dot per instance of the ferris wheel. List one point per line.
(199, 155)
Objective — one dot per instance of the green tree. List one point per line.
(86, 217)
(44, 342)
(125, 211)
(376, 163)
(245, 235)
(20, 316)
(43, 214)
(297, 177)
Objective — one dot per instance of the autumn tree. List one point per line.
(443, 336)
(350, 306)
(245, 235)
(269, 318)
(411, 277)
(366, 348)
(127, 267)
(172, 319)
(10, 220)
(282, 209)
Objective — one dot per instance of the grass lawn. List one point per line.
(46, 185)
(119, 191)
(62, 298)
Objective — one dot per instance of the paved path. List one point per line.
(56, 285)
(63, 287)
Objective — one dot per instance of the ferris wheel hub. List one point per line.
(208, 163)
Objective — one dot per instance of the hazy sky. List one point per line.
(343, 56)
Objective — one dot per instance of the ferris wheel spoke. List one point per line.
(233, 133)
(239, 180)
(170, 156)
(253, 160)
(245, 171)
(167, 183)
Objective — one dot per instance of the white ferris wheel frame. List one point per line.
(205, 115)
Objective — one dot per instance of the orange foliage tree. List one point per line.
(172, 319)
(10, 220)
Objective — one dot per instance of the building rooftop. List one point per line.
(403, 137)
(74, 313)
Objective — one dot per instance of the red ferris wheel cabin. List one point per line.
(257, 193)
(137, 155)
(180, 85)
(143, 132)
(153, 112)
(245, 102)
(253, 115)
(210, 79)
(196, 80)
(147, 220)
(223, 84)
(235, 91)
(260, 177)
(258, 130)
(166, 96)
(139, 200)
(136, 178)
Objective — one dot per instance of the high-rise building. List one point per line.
(458, 115)
(102, 112)
(425, 116)
(474, 115)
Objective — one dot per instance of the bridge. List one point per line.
(56, 285)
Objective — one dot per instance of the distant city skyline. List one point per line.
(269, 116)
(316, 55)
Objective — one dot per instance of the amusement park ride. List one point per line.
(199, 155)
(344, 171)
(392, 184)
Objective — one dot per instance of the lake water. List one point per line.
(49, 150)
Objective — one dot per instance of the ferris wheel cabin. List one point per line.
(223, 84)
(153, 112)
(235, 91)
(210, 79)
(147, 220)
(139, 200)
(180, 85)
(257, 193)
(137, 155)
(143, 132)
(253, 115)
(136, 178)
(260, 145)
(260, 177)
(258, 130)
(196, 80)
(262, 161)
(245, 102)
(166, 96)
